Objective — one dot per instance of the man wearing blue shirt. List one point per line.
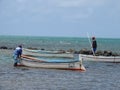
(17, 55)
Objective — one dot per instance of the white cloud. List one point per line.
(78, 3)
(86, 8)
(65, 9)
(76, 9)
(50, 4)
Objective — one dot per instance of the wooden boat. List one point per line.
(45, 51)
(115, 59)
(49, 64)
(35, 53)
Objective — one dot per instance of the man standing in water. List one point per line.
(17, 55)
(94, 45)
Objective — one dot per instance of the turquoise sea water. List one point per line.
(57, 43)
(98, 76)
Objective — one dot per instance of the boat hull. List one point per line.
(100, 58)
(53, 65)
(61, 55)
(43, 51)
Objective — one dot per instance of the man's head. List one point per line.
(93, 38)
(20, 46)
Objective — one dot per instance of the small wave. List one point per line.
(62, 42)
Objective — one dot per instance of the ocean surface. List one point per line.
(98, 75)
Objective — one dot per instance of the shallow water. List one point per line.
(99, 76)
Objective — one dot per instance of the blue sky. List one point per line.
(70, 18)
